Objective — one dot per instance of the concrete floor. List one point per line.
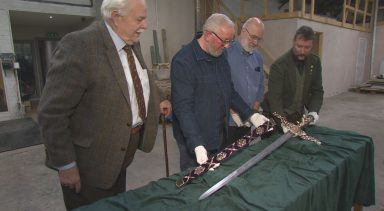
(26, 184)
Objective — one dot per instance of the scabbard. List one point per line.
(227, 152)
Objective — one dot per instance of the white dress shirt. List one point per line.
(143, 75)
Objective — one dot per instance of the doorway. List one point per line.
(26, 74)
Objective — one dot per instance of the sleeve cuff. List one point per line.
(68, 166)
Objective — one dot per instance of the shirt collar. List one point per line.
(119, 43)
(199, 52)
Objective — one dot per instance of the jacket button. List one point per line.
(122, 148)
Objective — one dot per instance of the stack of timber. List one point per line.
(373, 86)
(163, 81)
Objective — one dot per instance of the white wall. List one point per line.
(177, 18)
(339, 50)
(379, 49)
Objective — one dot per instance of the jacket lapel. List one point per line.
(115, 62)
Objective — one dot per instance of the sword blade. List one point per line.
(257, 158)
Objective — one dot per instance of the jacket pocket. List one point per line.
(83, 142)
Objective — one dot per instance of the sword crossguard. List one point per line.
(296, 129)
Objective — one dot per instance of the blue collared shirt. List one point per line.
(247, 74)
(202, 93)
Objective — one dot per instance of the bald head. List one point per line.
(254, 22)
(251, 34)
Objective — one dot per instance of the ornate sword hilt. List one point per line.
(297, 129)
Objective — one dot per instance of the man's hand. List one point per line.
(165, 108)
(201, 154)
(256, 106)
(236, 118)
(70, 178)
(258, 119)
(315, 117)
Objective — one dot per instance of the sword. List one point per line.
(293, 130)
(250, 139)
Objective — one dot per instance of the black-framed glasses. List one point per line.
(254, 38)
(223, 42)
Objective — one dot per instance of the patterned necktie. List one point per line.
(136, 82)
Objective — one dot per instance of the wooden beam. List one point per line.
(282, 15)
(266, 7)
(242, 4)
(291, 6)
(355, 12)
(344, 12)
(353, 8)
(365, 11)
(312, 8)
(217, 4)
(302, 7)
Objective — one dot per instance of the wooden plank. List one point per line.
(290, 6)
(242, 5)
(266, 7)
(334, 22)
(157, 50)
(354, 12)
(365, 11)
(302, 7)
(153, 55)
(344, 12)
(217, 5)
(312, 8)
(165, 47)
(283, 15)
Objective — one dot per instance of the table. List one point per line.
(298, 176)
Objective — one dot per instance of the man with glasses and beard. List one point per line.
(247, 74)
(203, 93)
(295, 83)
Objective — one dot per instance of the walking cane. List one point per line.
(165, 144)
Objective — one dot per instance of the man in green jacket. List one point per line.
(295, 83)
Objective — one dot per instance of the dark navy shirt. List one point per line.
(202, 93)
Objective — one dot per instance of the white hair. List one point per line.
(108, 6)
(215, 21)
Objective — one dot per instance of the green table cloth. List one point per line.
(300, 175)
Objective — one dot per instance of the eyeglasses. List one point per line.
(223, 42)
(254, 38)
